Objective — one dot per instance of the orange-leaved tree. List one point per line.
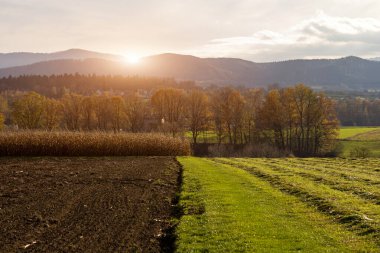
(198, 112)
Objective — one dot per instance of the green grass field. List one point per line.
(205, 137)
(360, 137)
(373, 135)
(347, 132)
(279, 205)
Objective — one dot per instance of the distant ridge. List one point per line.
(348, 73)
(26, 58)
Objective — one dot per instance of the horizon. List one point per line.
(134, 59)
(246, 30)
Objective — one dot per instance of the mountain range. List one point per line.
(25, 58)
(348, 73)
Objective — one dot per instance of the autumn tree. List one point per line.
(72, 111)
(253, 101)
(136, 110)
(227, 106)
(217, 115)
(102, 111)
(52, 114)
(169, 107)
(2, 119)
(27, 111)
(271, 118)
(300, 120)
(3, 105)
(234, 112)
(289, 117)
(320, 126)
(88, 112)
(197, 109)
(118, 115)
(3, 110)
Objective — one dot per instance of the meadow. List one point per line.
(359, 138)
(348, 132)
(279, 205)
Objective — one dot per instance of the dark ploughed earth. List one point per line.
(118, 204)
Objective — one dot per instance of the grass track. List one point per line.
(228, 209)
(367, 188)
(357, 214)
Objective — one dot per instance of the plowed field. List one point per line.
(86, 204)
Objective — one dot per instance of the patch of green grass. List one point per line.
(360, 138)
(347, 132)
(206, 137)
(329, 172)
(228, 209)
(328, 199)
(373, 135)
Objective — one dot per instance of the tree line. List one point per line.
(296, 118)
(358, 111)
(55, 86)
(353, 108)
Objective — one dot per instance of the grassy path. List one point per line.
(228, 209)
(356, 213)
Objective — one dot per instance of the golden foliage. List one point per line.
(2, 119)
(28, 110)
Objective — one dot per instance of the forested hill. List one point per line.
(56, 86)
(349, 73)
(25, 58)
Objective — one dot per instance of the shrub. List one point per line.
(360, 152)
(336, 151)
(38, 143)
(250, 150)
(221, 150)
(263, 150)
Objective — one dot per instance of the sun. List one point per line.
(132, 59)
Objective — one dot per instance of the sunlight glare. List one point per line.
(132, 59)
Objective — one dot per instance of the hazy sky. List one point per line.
(249, 29)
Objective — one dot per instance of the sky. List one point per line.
(260, 31)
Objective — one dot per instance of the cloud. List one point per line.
(249, 29)
(319, 36)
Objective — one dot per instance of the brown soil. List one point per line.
(86, 204)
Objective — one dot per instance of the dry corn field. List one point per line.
(38, 143)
